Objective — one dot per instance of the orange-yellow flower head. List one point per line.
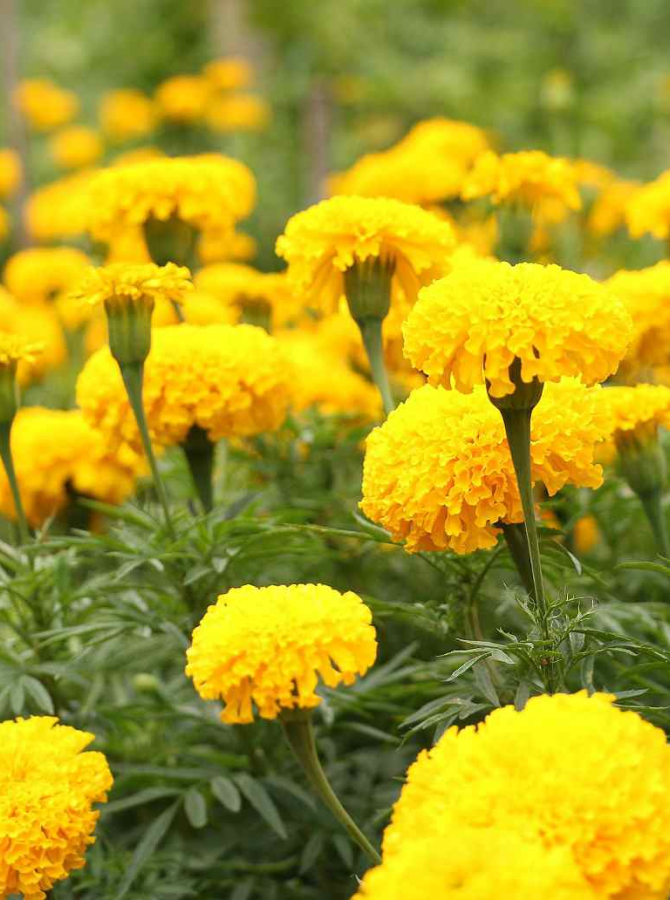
(76, 147)
(266, 648)
(323, 242)
(608, 212)
(230, 73)
(44, 104)
(36, 328)
(646, 293)
(41, 274)
(571, 773)
(438, 473)
(10, 172)
(229, 380)
(58, 209)
(122, 284)
(639, 406)
(246, 290)
(648, 209)
(528, 178)
(208, 191)
(56, 453)
(127, 114)
(471, 325)
(47, 790)
(238, 112)
(183, 98)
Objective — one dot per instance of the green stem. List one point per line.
(653, 507)
(8, 462)
(199, 451)
(371, 332)
(300, 735)
(133, 377)
(515, 537)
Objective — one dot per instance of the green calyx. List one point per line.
(9, 394)
(367, 286)
(170, 240)
(526, 394)
(640, 460)
(129, 326)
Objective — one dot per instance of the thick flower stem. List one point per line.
(653, 507)
(199, 451)
(371, 332)
(515, 537)
(300, 735)
(8, 462)
(133, 377)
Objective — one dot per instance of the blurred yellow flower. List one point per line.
(183, 98)
(238, 112)
(646, 293)
(76, 147)
(230, 73)
(247, 290)
(229, 380)
(126, 114)
(44, 104)
(41, 274)
(321, 243)
(593, 786)
(638, 408)
(586, 534)
(47, 790)
(221, 246)
(5, 224)
(75, 458)
(10, 172)
(58, 209)
(648, 209)
(608, 212)
(438, 473)
(267, 648)
(36, 326)
(471, 325)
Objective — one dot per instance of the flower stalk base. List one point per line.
(199, 452)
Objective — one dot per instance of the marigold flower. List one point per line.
(58, 210)
(74, 458)
(525, 178)
(238, 112)
(217, 246)
(243, 288)
(208, 191)
(230, 73)
(44, 104)
(608, 212)
(267, 647)
(47, 790)
(438, 473)
(76, 147)
(646, 293)
(10, 172)
(121, 284)
(229, 380)
(640, 406)
(648, 209)
(594, 782)
(472, 324)
(183, 98)
(40, 274)
(586, 534)
(127, 114)
(322, 242)
(36, 327)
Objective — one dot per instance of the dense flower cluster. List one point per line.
(47, 789)
(39, 274)
(322, 242)
(267, 647)
(470, 325)
(646, 293)
(229, 380)
(594, 783)
(438, 473)
(74, 459)
(208, 191)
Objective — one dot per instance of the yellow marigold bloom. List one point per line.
(10, 172)
(525, 178)
(47, 789)
(229, 380)
(122, 283)
(586, 534)
(230, 73)
(472, 324)
(325, 381)
(14, 349)
(642, 406)
(608, 212)
(183, 98)
(137, 155)
(594, 781)
(322, 242)
(648, 209)
(216, 246)
(127, 114)
(646, 293)
(475, 864)
(438, 473)
(76, 147)
(74, 458)
(40, 274)
(58, 210)
(238, 112)
(37, 327)
(208, 191)
(267, 647)
(245, 289)
(44, 104)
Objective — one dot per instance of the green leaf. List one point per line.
(243, 890)
(139, 799)
(146, 847)
(39, 694)
(344, 849)
(195, 808)
(226, 793)
(311, 852)
(262, 802)
(17, 697)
